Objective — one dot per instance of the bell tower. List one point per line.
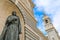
(47, 22)
(51, 31)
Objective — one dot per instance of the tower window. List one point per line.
(46, 21)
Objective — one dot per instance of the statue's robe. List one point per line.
(12, 28)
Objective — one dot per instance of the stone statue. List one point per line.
(12, 28)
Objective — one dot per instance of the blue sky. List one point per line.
(51, 8)
(38, 16)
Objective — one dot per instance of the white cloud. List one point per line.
(51, 7)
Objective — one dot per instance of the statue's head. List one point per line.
(14, 13)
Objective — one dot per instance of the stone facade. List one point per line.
(24, 11)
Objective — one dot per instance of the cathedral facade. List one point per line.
(24, 9)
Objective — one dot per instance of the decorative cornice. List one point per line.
(28, 12)
(32, 4)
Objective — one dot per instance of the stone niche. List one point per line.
(6, 8)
